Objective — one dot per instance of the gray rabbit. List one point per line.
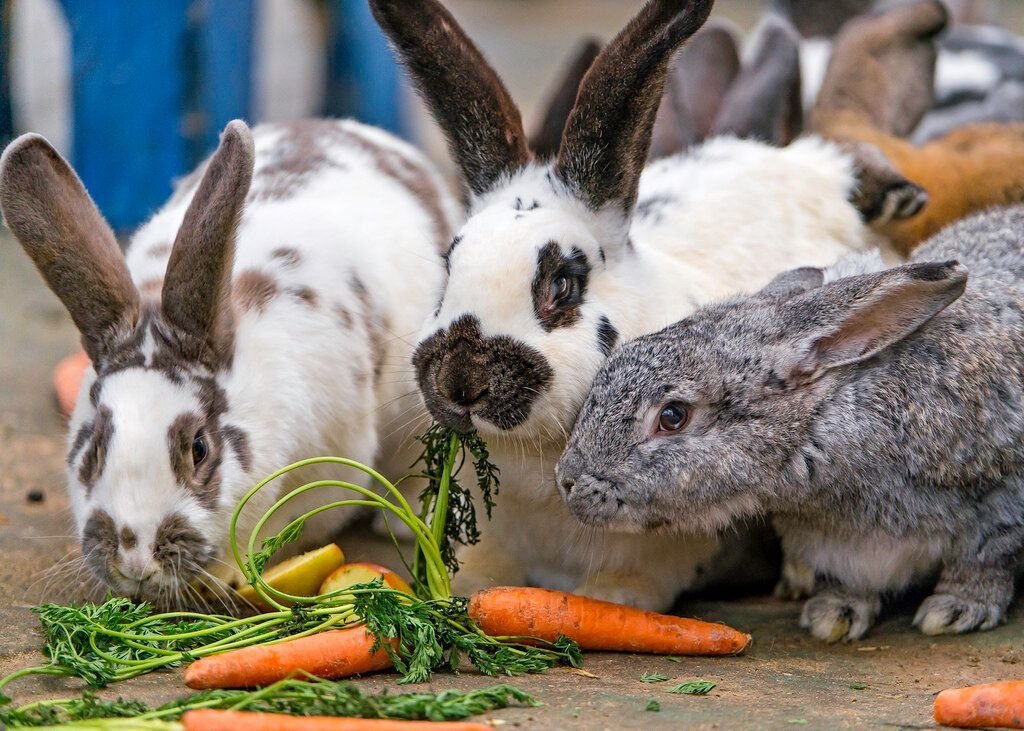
(876, 414)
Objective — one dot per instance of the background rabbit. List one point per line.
(561, 259)
(876, 417)
(258, 320)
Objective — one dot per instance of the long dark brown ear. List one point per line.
(482, 124)
(197, 286)
(883, 69)
(699, 77)
(764, 102)
(49, 211)
(544, 142)
(609, 131)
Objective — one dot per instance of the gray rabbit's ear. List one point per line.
(197, 286)
(466, 97)
(791, 283)
(56, 222)
(856, 318)
(545, 140)
(765, 102)
(606, 140)
(698, 80)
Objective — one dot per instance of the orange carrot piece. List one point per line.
(333, 654)
(208, 719)
(598, 625)
(67, 380)
(978, 706)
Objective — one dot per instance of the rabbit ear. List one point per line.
(883, 69)
(698, 80)
(482, 124)
(820, 18)
(856, 318)
(197, 286)
(544, 142)
(765, 102)
(56, 222)
(609, 131)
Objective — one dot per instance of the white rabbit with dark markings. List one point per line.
(259, 319)
(878, 417)
(559, 259)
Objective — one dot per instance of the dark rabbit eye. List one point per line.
(560, 288)
(199, 450)
(673, 417)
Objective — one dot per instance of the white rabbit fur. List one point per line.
(502, 356)
(338, 260)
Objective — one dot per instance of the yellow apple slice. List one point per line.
(351, 574)
(299, 575)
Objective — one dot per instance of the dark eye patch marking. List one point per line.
(607, 335)
(203, 481)
(551, 264)
(238, 440)
(81, 437)
(95, 458)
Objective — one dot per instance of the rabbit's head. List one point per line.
(716, 417)
(149, 444)
(523, 323)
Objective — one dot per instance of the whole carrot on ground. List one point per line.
(211, 720)
(333, 654)
(597, 625)
(999, 705)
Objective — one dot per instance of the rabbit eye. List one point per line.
(560, 288)
(199, 450)
(673, 417)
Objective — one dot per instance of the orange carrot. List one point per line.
(333, 654)
(598, 625)
(208, 719)
(993, 704)
(67, 380)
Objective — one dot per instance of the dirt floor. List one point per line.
(786, 679)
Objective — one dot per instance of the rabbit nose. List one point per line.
(567, 485)
(467, 394)
(459, 383)
(135, 567)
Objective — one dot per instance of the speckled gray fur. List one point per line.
(877, 418)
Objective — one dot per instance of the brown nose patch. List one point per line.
(498, 377)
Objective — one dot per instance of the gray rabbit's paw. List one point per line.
(948, 614)
(797, 581)
(834, 616)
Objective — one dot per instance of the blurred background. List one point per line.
(135, 92)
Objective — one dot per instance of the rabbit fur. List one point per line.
(561, 259)
(874, 413)
(249, 326)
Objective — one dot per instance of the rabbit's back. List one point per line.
(989, 244)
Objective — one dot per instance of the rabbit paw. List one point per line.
(900, 201)
(948, 614)
(797, 581)
(834, 616)
(634, 591)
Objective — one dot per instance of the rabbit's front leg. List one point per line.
(644, 591)
(840, 614)
(967, 598)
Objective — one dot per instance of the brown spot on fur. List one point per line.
(343, 315)
(377, 326)
(306, 294)
(81, 437)
(253, 290)
(178, 547)
(302, 150)
(99, 543)
(159, 251)
(287, 256)
(96, 455)
(238, 440)
(128, 538)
